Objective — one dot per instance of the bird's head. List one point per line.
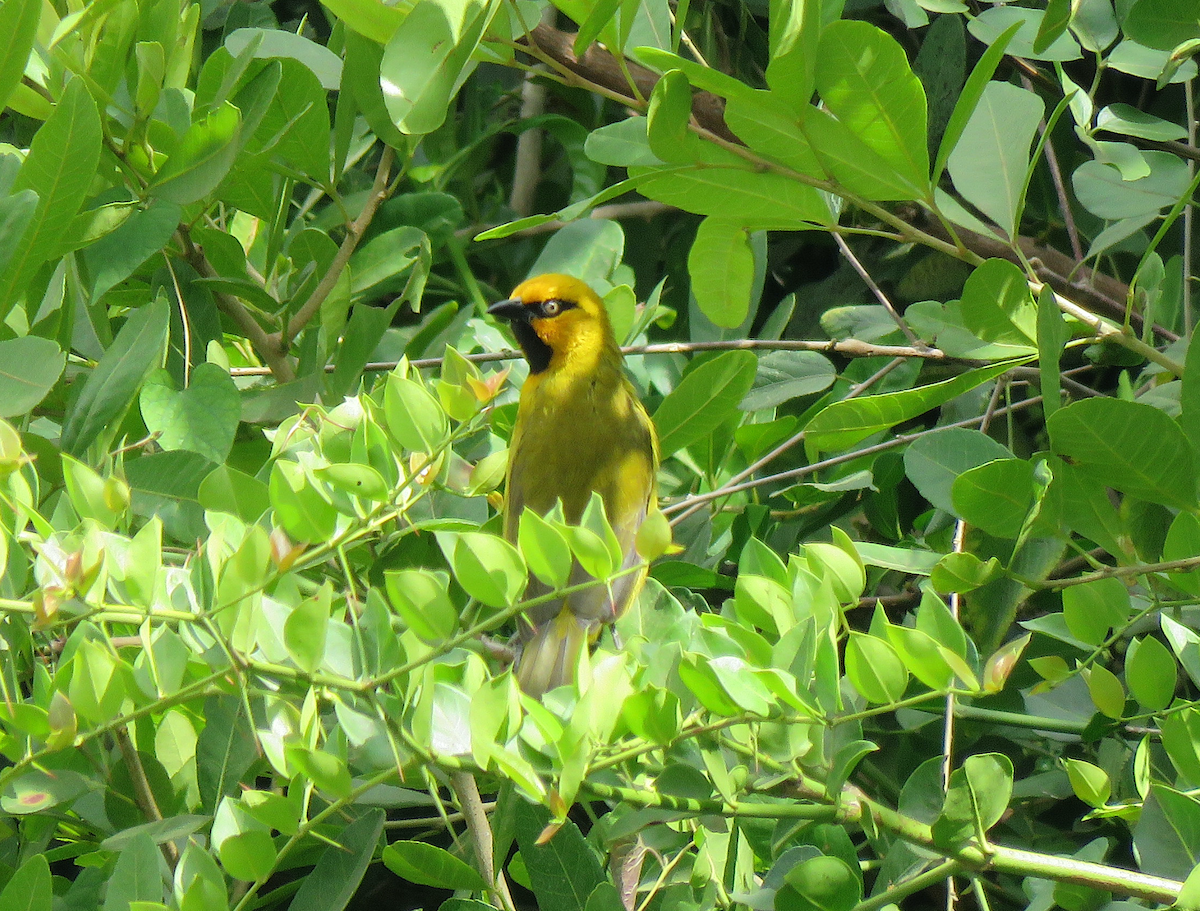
(556, 316)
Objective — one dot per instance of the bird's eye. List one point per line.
(551, 308)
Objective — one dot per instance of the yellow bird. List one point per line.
(580, 428)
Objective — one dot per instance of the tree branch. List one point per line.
(379, 192)
(267, 345)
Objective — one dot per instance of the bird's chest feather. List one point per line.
(576, 435)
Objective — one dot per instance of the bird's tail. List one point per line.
(552, 654)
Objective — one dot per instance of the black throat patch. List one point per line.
(536, 351)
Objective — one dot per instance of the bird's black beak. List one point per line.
(509, 310)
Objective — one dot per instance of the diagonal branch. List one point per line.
(267, 345)
(379, 192)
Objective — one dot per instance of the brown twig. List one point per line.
(143, 794)
(267, 345)
(379, 192)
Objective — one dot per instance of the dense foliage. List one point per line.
(909, 285)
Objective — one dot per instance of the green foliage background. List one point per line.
(908, 287)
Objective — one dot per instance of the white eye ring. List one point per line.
(551, 308)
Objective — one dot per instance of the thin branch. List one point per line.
(1136, 569)
(379, 192)
(466, 789)
(846, 348)
(1064, 202)
(733, 483)
(907, 887)
(646, 208)
(1108, 332)
(266, 345)
(856, 807)
(143, 794)
(813, 468)
(876, 290)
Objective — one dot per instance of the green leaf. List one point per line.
(360, 480)
(1183, 541)
(19, 22)
(819, 884)
(110, 388)
(1163, 24)
(295, 126)
(704, 399)
(1131, 447)
(1052, 338)
(1189, 398)
(16, 214)
(1180, 738)
(29, 888)
(135, 876)
(621, 144)
(370, 18)
(770, 126)
(996, 496)
(202, 159)
(976, 799)
(874, 668)
(29, 368)
(842, 424)
(721, 267)
(785, 375)
(1106, 692)
(386, 257)
(1053, 24)
(203, 418)
(428, 57)
(963, 572)
(563, 871)
(758, 200)
(226, 489)
(989, 25)
(225, 750)
(1104, 192)
(968, 100)
(794, 38)
(1151, 673)
(996, 306)
(336, 877)
(865, 80)
(922, 655)
(1129, 121)
(705, 78)
(299, 508)
(1167, 834)
(487, 567)
(589, 250)
(60, 167)
(421, 598)
(1095, 608)
(844, 157)
(1090, 783)
(114, 257)
(414, 416)
(989, 161)
(667, 118)
(306, 629)
(429, 865)
(545, 549)
(274, 42)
